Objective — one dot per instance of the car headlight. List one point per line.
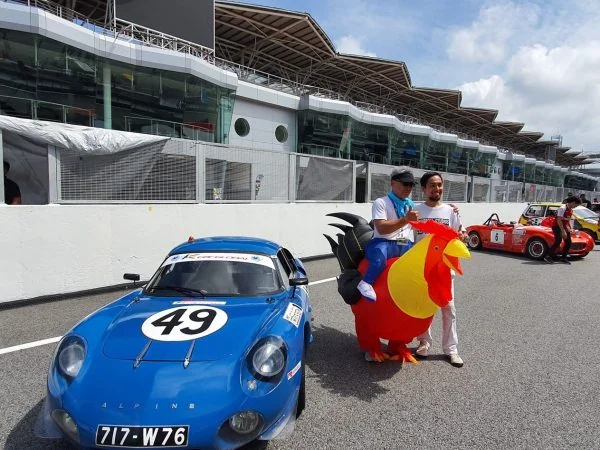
(268, 358)
(71, 354)
(244, 422)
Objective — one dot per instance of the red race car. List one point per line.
(533, 241)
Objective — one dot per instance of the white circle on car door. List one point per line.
(184, 323)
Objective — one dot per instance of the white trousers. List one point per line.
(449, 335)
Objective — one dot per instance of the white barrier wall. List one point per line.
(59, 249)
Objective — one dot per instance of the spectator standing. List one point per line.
(432, 184)
(12, 193)
(562, 230)
(585, 202)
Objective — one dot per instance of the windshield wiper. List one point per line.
(180, 289)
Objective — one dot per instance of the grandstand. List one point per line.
(318, 101)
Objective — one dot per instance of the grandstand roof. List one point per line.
(293, 46)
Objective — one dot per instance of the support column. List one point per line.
(107, 91)
(389, 148)
(2, 159)
(422, 152)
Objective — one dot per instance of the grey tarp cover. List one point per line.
(74, 137)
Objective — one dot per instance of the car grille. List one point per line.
(578, 246)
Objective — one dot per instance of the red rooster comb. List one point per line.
(436, 228)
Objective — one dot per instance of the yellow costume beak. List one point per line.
(453, 251)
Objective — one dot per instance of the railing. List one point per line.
(42, 110)
(153, 38)
(146, 125)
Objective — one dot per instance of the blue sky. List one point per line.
(537, 62)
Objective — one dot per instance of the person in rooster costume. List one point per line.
(392, 235)
(433, 208)
(409, 291)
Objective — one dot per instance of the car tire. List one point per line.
(474, 241)
(536, 248)
(301, 404)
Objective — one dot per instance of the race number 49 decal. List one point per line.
(184, 323)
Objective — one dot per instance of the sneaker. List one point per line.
(367, 291)
(455, 360)
(548, 259)
(422, 350)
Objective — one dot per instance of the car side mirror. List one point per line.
(131, 277)
(298, 281)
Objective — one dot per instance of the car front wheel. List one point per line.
(537, 248)
(302, 394)
(474, 241)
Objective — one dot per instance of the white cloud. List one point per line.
(552, 90)
(352, 46)
(487, 39)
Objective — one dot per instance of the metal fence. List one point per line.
(184, 171)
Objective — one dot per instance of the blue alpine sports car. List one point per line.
(208, 354)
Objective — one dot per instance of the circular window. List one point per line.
(281, 133)
(242, 127)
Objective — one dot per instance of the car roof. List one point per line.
(228, 244)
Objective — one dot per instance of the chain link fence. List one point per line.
(164, 172)
(184, 171)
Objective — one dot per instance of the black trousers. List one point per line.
(558, 239)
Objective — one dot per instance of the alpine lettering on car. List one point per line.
(184, 323)
(155, 406)
(293, 314)
(239, 257)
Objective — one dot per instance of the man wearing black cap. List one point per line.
(392, 236)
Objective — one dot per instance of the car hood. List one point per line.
(237, 322)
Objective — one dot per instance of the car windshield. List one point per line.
(215, 274)
(584, 213)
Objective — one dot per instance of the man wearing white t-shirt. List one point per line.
(392, 233)
(433, 209)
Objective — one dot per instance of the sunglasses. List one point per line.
(403, 183)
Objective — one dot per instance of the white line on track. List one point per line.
(326, 280)
(16, 348)
(53, 340)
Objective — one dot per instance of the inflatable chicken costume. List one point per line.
(409, 291)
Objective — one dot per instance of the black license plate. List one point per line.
(122, 436)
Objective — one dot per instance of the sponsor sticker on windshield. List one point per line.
(233, 257)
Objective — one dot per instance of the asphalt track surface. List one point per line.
(528, 334)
